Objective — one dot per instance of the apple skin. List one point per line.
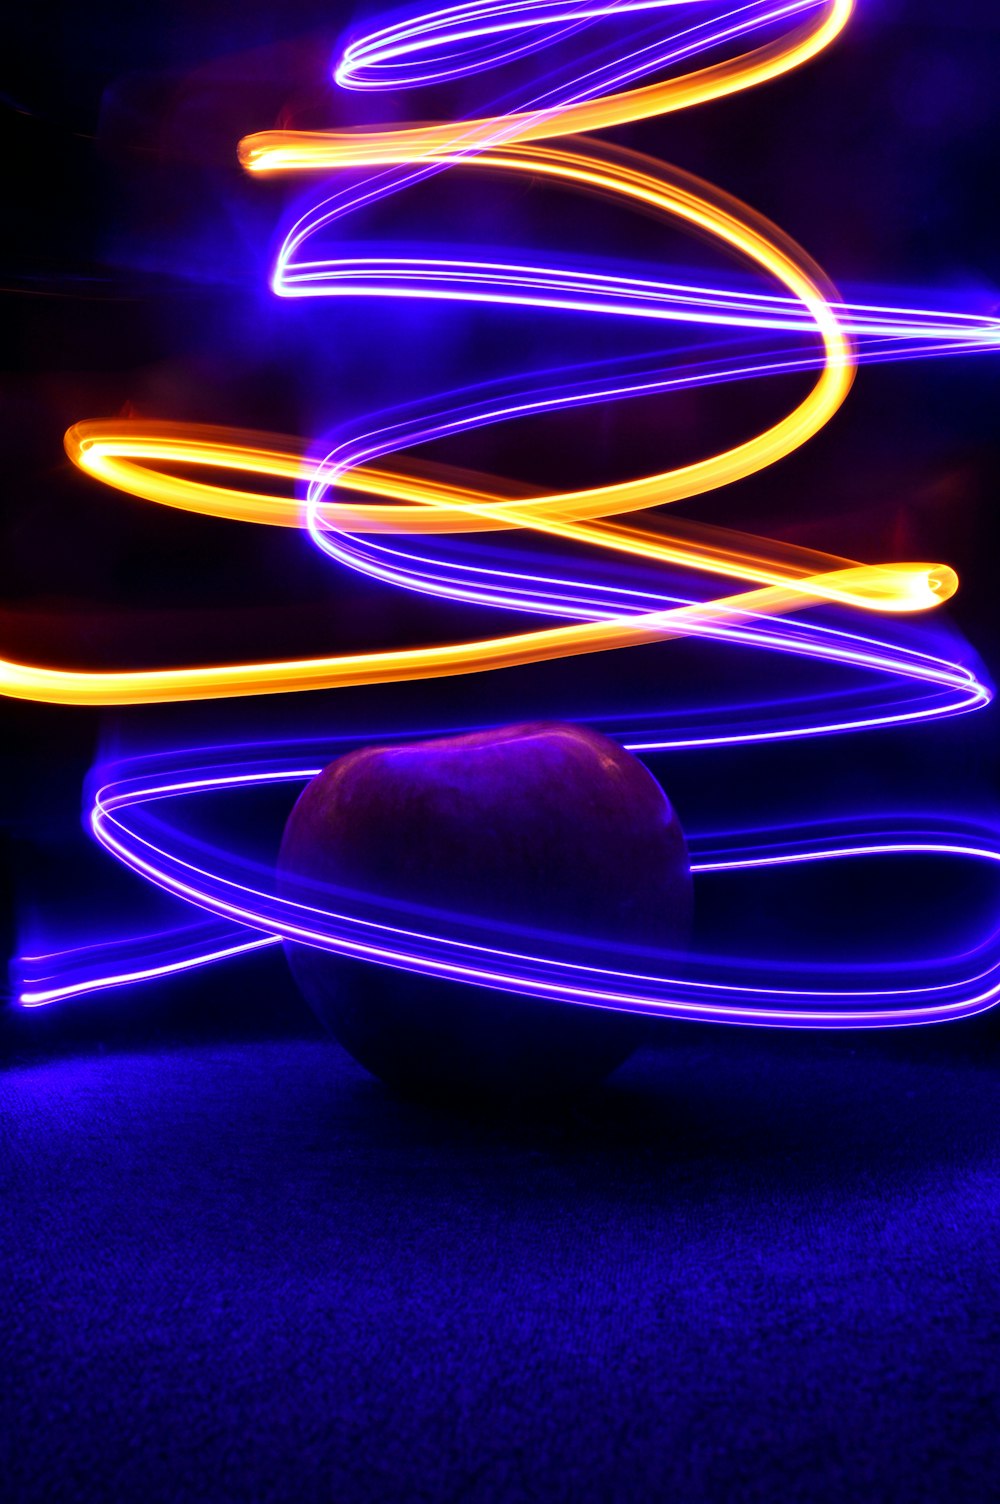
(546, 825)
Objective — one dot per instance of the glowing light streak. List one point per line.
(310, 151)
(728, 990)
(408, 497)
(897, 587)
(782, 588)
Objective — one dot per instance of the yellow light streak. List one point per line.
(415, 497)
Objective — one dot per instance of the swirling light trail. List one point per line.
(412, 497)
(126, 821)
(898, 587)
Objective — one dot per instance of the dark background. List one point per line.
(754, 1266)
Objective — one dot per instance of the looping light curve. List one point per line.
(374, 506)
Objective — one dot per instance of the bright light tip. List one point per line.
(921, 587)
(942, 581)
(255, 151)
(896, 588)
(74, 440)
(83, 445)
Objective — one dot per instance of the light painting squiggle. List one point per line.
(367, 489)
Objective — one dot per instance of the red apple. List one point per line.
(547, 825)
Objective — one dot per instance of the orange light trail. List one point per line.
(417, 498)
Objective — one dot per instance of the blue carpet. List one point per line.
(748, 1269)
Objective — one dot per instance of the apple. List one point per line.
(548, 826)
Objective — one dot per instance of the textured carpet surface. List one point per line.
(744, 1271)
